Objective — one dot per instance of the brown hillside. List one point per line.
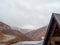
(37, 34)
(5, 29)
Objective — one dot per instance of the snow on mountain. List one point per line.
(28, 27)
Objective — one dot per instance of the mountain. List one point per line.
(24, 31)
(37, 34)
(7, 30)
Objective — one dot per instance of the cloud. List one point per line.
(23, 12)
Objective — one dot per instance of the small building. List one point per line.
(52, 36)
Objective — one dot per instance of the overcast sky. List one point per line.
(28, 13)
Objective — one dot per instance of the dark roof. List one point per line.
(56, 17)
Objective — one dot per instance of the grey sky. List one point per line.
(28, 12)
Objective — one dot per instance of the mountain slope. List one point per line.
(6, 29)
(37, 34)
(24, 31)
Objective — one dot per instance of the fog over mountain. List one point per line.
(20, 13)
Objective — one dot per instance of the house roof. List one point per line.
(55, 17)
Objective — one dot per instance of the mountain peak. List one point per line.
(1, 22)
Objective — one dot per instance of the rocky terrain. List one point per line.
(37, 34)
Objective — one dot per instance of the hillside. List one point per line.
(37, 34)
(7, 30)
